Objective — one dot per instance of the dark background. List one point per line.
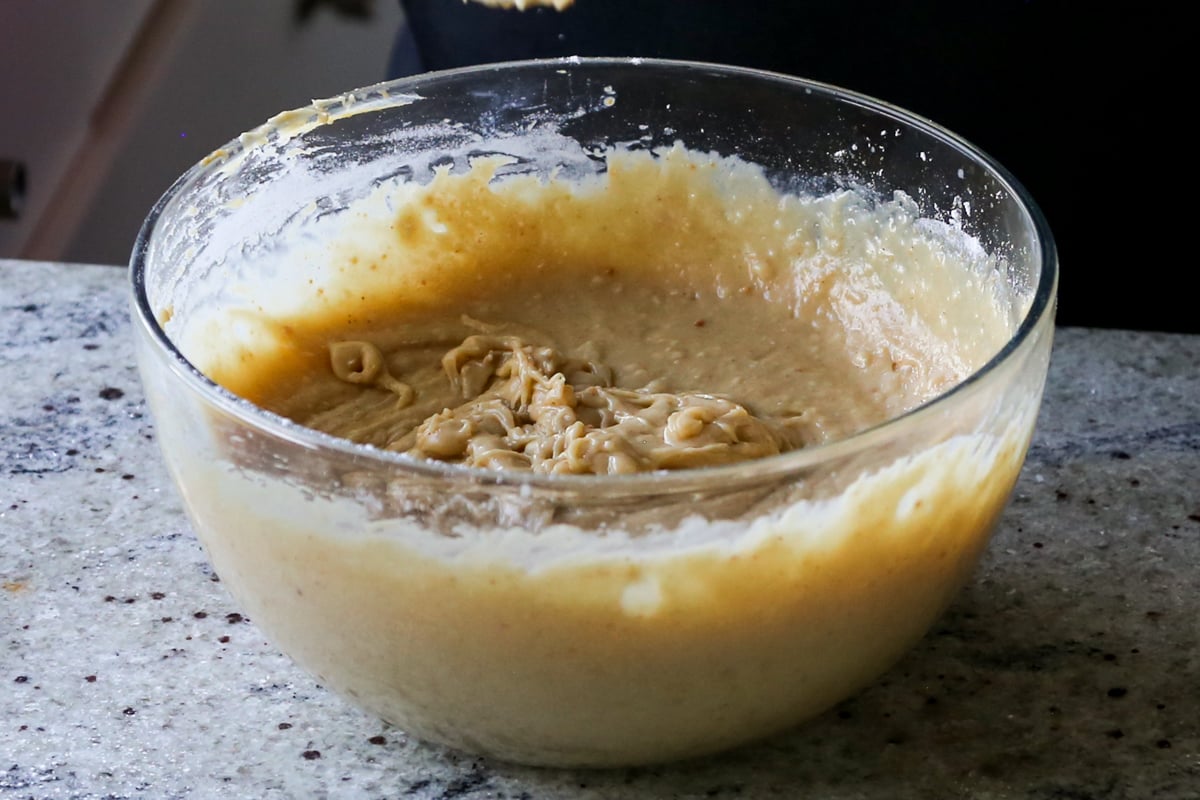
(1079, 101)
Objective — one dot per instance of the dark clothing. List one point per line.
(1060, 93)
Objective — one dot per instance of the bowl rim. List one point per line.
(400, 91)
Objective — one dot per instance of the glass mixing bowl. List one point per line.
(576, 620)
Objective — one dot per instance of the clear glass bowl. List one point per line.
(579, 620)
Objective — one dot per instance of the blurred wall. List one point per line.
(131, 94)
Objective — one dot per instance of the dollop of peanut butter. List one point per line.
(531, 407)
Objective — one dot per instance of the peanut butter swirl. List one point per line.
(530, 407)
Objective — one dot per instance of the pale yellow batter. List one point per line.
(513, 622)
(692, 335)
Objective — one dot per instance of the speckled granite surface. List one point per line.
(1069, 668)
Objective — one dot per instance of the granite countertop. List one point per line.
(1068, 668)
